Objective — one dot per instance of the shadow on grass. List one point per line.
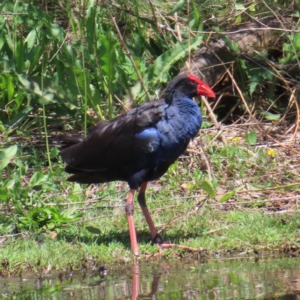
(116, 236)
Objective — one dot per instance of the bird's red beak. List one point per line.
(205, 90)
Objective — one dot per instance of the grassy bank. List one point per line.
(65, 65)
(214, 233)
(48, 223)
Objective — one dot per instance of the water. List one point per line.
(248, 278)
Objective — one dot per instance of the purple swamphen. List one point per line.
(139, 146)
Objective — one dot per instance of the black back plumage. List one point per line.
(140, 145)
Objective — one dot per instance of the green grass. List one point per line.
(63, 67)
(47, 222)
(75, 247)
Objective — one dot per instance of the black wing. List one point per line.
(124, 144)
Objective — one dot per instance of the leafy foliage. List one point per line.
(7, 155)
(251, 137)
(88, 62)
(22, 196)
(44, 64)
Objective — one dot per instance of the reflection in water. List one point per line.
(218, 279)
(136, 284)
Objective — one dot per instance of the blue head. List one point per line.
(189, 85)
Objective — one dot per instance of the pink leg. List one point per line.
(142, 202)
(155, 236)
(129, 209)
(135, 282)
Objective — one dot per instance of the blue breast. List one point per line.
(170, 137)
(182, 122)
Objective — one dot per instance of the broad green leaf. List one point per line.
(289, 54)
(20, 115)
(195, 23)
(46, 98)
(77, 188)
(252, 7)
(239, 6)
(258, 77)
(234, 278)
(227, 196)
(10, 88)
(1, 6)
(7, 155)
(93, 230)
(251, 137)
(177, 7)
(57, 32)
(252, 86)
(9, 65)
(32, 86)
(37, 178)
(11, 184)
(9, 41)
(296, 40)
(71, 213)
(4, 196)
(2, 35)
(135, 90)
(3, 81)
(34, 56)
(67, 56)
(20, 56)
(30, 39)
(54, 152)
(208, 188)
(238, 19)
(158, 72)
(37, 14)
(107, 55)
(269, 116)
(231, 44)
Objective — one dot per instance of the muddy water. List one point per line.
(247, 278)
